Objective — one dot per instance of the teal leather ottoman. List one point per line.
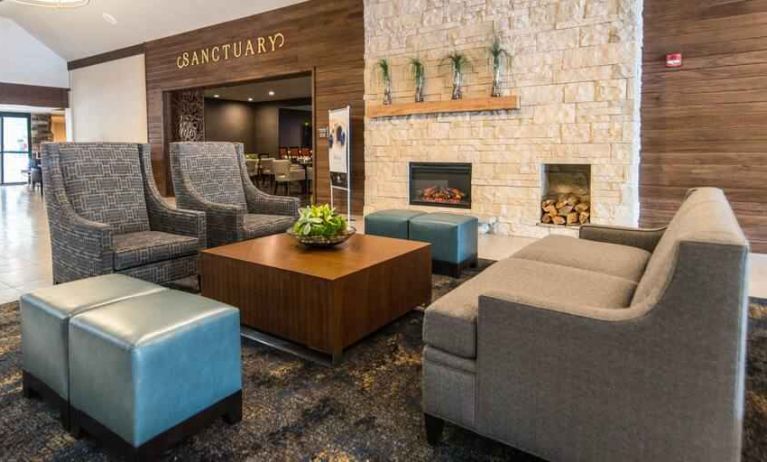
(390, 223)
(45, 317)
(453, 240)
(148, 371)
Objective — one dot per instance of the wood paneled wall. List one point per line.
(34, 95)
(705, 124)
(322, 37)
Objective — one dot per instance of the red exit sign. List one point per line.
(674, 60)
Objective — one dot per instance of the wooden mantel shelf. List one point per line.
(505, 103)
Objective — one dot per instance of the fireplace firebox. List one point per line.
(440, 184)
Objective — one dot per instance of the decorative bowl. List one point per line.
(322, 241)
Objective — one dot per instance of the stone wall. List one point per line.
(574, 64)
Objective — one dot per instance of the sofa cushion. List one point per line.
(141, 248)
(450, 323)
(257, 225)
(613, 259)
(104, 183)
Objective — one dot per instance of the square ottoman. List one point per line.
(390, 223)
(147, 372)
(453, 240)
(45, 317)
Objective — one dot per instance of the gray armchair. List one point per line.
(621, 345)
(106, 215)
(212, 177)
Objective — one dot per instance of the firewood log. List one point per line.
(551, 210)
(546, 218)
(572, 200)
(546, 203)
(584, 217)
(572, 218)
(560, 204)
(559, 220)
(582, 207)
(564, 211)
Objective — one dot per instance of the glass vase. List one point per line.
(497, 71)
(419, 84)
(457, 83)
(387, 92)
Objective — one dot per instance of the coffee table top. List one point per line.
(281, 251)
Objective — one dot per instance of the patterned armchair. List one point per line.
(212, 177)
(106, 215)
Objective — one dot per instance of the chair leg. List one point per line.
(275, 188)
(434, 427)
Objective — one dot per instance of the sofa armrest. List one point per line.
(80, 248)
(645, 239)
(261, 202)
(163, 217)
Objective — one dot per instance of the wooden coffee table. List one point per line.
(324, 299)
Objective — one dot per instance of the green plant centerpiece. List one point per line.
(419, 76)
(383, 66)
(458, 63)
(320, 226)
(497, 55)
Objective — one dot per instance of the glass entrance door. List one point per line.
(15, 147)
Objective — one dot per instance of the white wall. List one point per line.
(26, 60)
(108, 101)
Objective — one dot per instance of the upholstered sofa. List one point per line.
(106, 215)
(624, 344)
(212, 177)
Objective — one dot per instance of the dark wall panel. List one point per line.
(292, 123)
(230, 121)
(705, 124)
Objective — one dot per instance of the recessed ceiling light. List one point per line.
(109, 18)
(271, 92)
(250, 99)
(216, 96)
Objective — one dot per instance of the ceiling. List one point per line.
(284, 89)
(75, 33)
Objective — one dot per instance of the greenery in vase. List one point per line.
(383, 66)
(419, 75)
(497, 52)
(458, 61)
(319, 220)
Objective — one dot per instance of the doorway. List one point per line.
(273, 118)
(15, 147)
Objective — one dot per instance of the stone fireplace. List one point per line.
(440, 184)
(575, 69)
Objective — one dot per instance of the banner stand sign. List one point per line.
(339, 154)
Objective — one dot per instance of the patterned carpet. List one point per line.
(366, 409)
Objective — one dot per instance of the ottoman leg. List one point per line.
(26, 389)
(233, 415)
(434, 426)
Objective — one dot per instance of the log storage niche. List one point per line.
(566, 197)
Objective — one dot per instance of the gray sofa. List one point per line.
(106, 215)
(212, 177)
(624, 344)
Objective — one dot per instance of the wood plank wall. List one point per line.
(323, 37)
(705, 124)
(34, 95)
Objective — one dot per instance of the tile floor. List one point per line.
(26, 254)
